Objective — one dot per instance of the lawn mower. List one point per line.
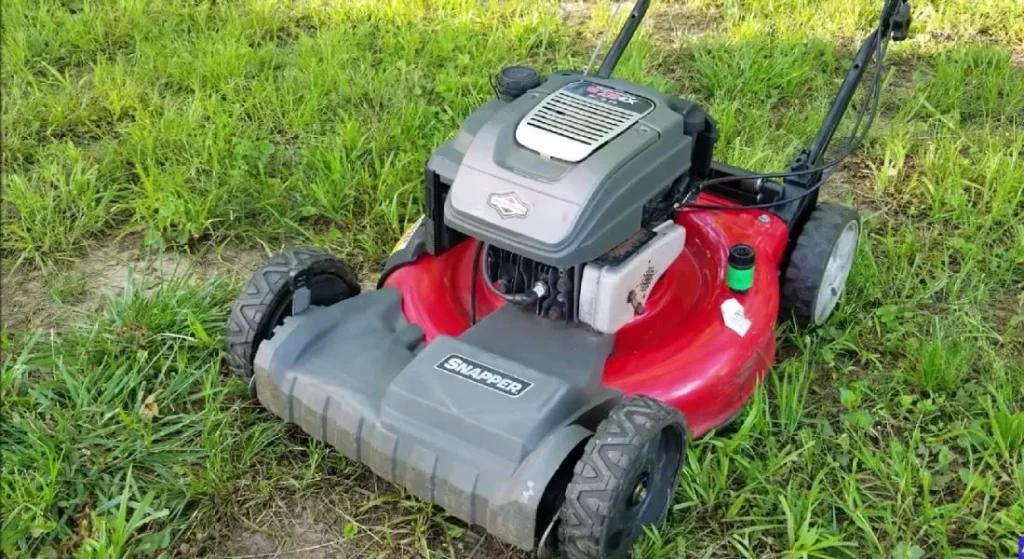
(586, 290)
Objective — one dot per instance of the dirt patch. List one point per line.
(302, 538)
(577, 13)
(50, 298)
(855, 179)
(669, 22)
(346, 514)
(1004, 311)
(673, 23)
(296, 535)
(24, 302)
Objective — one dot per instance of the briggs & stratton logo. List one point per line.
(508, 204)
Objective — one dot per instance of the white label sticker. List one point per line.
(734, 317)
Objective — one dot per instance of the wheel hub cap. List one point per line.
(837, 269)
(639, 491)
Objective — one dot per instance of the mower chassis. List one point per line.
(483, 418)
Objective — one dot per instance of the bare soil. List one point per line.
(351, 514)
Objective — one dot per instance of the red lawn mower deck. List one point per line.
(681, 349)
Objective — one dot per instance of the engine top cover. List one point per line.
(561, 174)
(579, 118)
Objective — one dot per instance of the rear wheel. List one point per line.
(820, 264)
(624, 481)
(266, 300)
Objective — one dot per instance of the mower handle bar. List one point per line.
(851, 82)
(636, 15)
(839, 105)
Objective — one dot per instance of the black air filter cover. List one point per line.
(513, 81)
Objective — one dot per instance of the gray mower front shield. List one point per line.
(477, 424)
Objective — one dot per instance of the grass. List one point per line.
(895, 431)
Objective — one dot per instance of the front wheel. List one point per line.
(820, 264)
(624, 481)
(266, 300)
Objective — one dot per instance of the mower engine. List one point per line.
(571, 184)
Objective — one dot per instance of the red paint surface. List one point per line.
(679, 350)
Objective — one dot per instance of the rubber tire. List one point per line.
(609, 464)
(267, 289)
(806, 269)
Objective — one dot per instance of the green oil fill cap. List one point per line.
(740, 275)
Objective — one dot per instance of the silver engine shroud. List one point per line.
(561, 174)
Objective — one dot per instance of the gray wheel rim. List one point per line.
(837, 269)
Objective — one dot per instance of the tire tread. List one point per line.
(806, 268)
(258, 296)
(599, 471)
